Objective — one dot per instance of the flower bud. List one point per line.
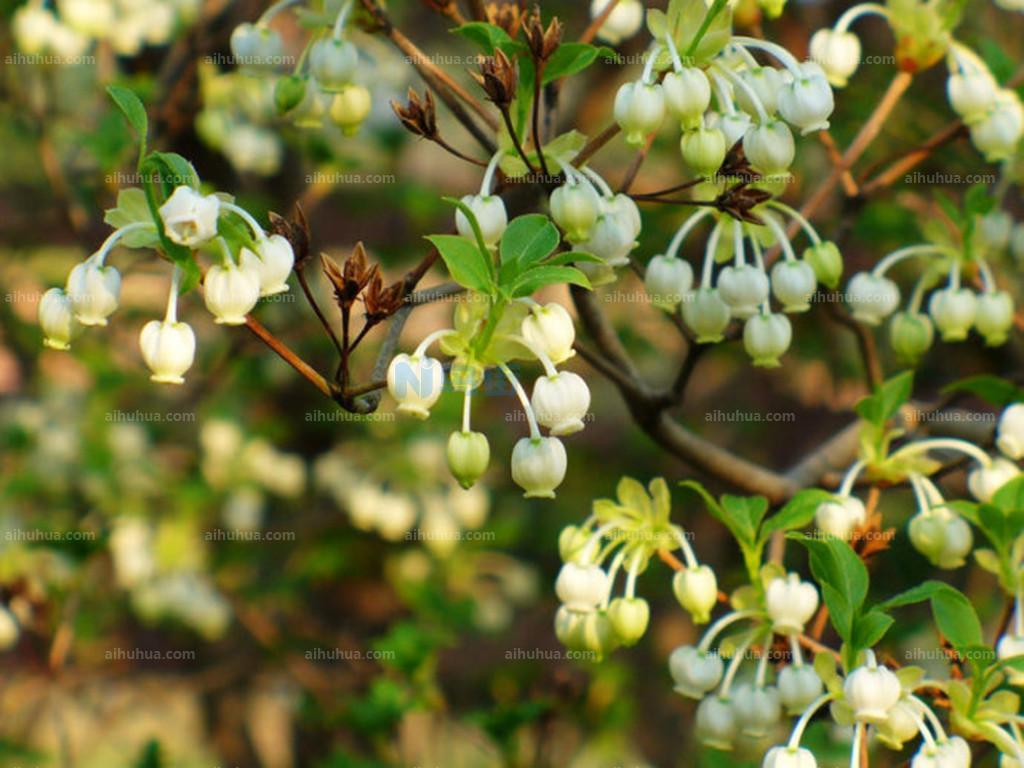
(490, 214)
(1011, 647)
(941, 536)
(667, 281)
(256, 48)
(703, 150)
(953, 310)
(350, 107)
(766, 338)
(468, 455)
(733, 126)
(575, 207)
(696, 589)
(230, 292)
(94, 291)
(807, 102)
(694, 673)
(766, 83)
(333, 63)
(538, 466)
(826, 261)
(33, 27)
(799, 686)
(790, 603)
(571, 541)
(569, 627)
(948, 753)
(1010, 434)
(416, 383)
(561, 402)
(757, 709)
(837, 53)
(706, 315)
(629, 617)
(900, 726)
(744, 288)
(715, 724)
(289, 92)
(911, 335)
(9, 631)
(551, 329)
(841, 516)
(190, 218)
(639, 111)
(794, 283)
(272, 263)
(622, 23)
(687, 96)
(581, 587)
(57, 320)
(872, 691)
(994, 317)
(971, 95)
(872, 298)
(626, 211)
(770, 148)
(597, 636)
(789, 757)
(997, 133)
(995, 228)
(169, 349)
(983, 482)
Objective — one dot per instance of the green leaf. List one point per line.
(151, 756)
(534, 279)
(869, 628)
(528, 240)
(797, 513)
(991, 389)
(571, 59)
(132, 208)
(842, 576)
(489, 37)
(746, 514)
(134, 112)
(572, 257)
(467, 266)
(175, 171)
(884, 403)
(1010, 497)
(954, 615)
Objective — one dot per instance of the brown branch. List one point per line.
(285, 353)
(595, 26)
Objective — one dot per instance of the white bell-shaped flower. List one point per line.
(687, 95)
(190, 218)
(948, 753)
(998, 131)
(911, 334)
(807, 102)
(416, 382)
(971, 94)
(706, 315)
(629, 617)
(953, 310)
(696, 589)
(994, 317)
(770, 149)
(539, 465)
(766, 338)
(871, 691)
(744, 288)
(790, 603)
(580, 587)
(169, 348)
(733, 125)
(794, 283)
(715, 723)
(273, 264)
(639, 110)
(1010, 434)
(837, 53)
(230, 292)
(256, 48)
(622, 23)
(983, 482)
(787, 757)
(1011, 647)
(942, 536)
(57, 319)
(704, 150)
(840, 516)
(575, 207)
(766, 83)
(757, 709)
(561, 402)
(550, 328)
(667, 281)
(872, 298)
(799, 685)
(94, 291)
(693, 672)
(490, 214)
(333, 63)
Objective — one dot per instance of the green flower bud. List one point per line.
(911, 335)
(827, 263)
(597, 634)
(289, 93)
(351, 106)
(703, 150)
(570, 541)
(629, 617)
(468, 456)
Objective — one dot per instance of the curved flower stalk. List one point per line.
(246, 263)
(994, 114)
(498, 326)
(325, 81)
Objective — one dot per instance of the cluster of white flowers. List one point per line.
(324, 83)
(232, 286)
(995, 115)
(954, 309)
(436, 513)
(71, 27)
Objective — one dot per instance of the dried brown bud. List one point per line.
(381, 303)
(296, 231)
(542, 42)
(418, 117)
(498, 78)
(740, 200)
(736, 164)
(349, 281)
(444, 7)
(508, 16)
